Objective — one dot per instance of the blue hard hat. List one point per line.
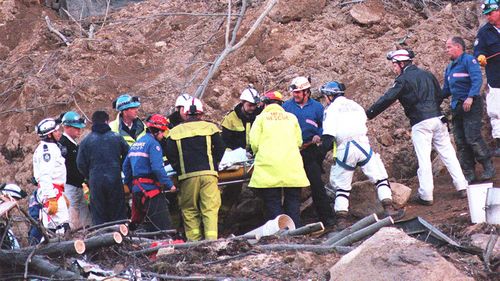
(490, 6)
(126, 101)
(332, 88)
(73, 119)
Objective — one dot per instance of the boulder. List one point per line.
(368, 13)
(400, 194)
(295, 10)
(390, 254)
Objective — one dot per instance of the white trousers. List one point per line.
(426, 134)
(341, 178)
(79, 213)
(57, 219)
(493, 110)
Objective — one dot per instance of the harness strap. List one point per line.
(148, 194)
(343, 163)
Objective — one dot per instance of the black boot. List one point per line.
(488, 170)
(497, 149)
(341, 220)
(390, 211)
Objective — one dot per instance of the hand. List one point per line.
(482, 60)
(126, 189)
(316, 139)
(173, 189)
(52, 206)
(468, 104)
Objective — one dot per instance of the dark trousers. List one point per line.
(107, 199)
(467, 131)
(312, 166)
(272, 202)
(156, 215)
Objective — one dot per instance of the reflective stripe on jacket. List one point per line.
(116, 127)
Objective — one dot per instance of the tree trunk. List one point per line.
(366, 221)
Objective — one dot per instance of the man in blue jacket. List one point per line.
(487, 52)
(143, 169)
(462, 80)
(310, 116)
(99, 159)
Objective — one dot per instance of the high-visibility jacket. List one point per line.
(195, 148)
(140, 129)
(275, 139)
(236, 128)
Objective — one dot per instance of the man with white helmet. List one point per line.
(9, 192)
(419, 93)
(310, 116)
(194, 149)
(487, 51)
(237, 123)
(79, 212)
(179, 116)
(127, 124)
(352, 149)
(50, 173)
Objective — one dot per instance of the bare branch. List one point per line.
(75, 21)
(228, 24)
(55, 31)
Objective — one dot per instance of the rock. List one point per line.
(295, 10)
(390, 254)
(385, 139)
(160, 44)
(368, 13)
(481, 241)
(400, 194)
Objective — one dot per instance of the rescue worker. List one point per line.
(49, 172)
(9, 192)
(194, 149)
(99, 159)
(237, 123)
(275, 139)
(310, 116)
(143, 170)
(178, 116)
(487, 52)
(419, 93)
(79, 213)
(352, 149)
(127, 124)
(463, 80)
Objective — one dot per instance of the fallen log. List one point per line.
(153, 234)
(121, 228)
(91, 228)
(320, 249)
(43, 266)
(104, 240)
(362, 233)
(366, 221)
(306, 229)
(175, 277)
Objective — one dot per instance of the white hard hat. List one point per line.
(13, 190)
(47, 126)
(193, 107)
(250, 95)
(400, 55)
(299, 84)
(182, 99)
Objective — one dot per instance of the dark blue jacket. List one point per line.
(488, 44)
(462, 79)
(310, 117)
(145, 160)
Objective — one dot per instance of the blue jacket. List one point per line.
(462, 79)
(310, 117)
(145, 160)
(488, 44)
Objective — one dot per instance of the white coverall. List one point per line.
(49, 170)
(428, 133)
(493, 110)
(346, 121)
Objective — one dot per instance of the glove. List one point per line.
(482, 60)
(52, 206)
(126, 189)
(86, 193)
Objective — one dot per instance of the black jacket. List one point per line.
(235, 127)
(417, 90)
(201, 149)
(69, 151)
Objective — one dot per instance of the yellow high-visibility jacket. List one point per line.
(275, 138)
(115, 126)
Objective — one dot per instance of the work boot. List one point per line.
(389, 210)
(497, 149)
(341, 218)
(488, 170)
(423, 202)
(470, 176)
